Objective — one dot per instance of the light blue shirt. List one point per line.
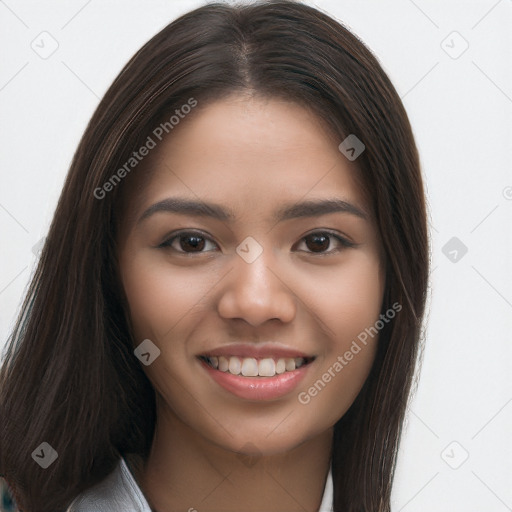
(119, 492)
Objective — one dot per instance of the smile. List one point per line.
(256, 378)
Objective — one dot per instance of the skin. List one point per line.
(213, 451)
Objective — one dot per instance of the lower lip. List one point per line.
(258, 388)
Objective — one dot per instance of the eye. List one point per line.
(187, 242)
(319, 241)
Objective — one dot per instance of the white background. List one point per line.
(461, 111)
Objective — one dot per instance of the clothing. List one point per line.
(119, 492)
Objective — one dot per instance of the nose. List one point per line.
(257, 292)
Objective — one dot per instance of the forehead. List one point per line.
(248, 153)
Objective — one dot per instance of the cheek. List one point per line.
(158, 297)
(350, 298)
(349, 306)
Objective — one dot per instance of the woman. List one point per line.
(227, 310)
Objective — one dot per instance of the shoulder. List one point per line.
(118, 492)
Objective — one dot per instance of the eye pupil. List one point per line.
(192, 241)
(323, 242)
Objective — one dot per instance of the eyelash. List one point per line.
(345, 244)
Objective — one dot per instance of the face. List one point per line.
(247, 242)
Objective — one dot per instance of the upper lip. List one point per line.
(259, 351)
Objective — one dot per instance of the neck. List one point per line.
(185, 471)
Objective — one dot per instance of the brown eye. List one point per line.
(317, 242)
(192, 243)
(187, 242)
(321, 242)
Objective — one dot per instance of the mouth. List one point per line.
(256, 378)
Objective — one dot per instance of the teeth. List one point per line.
(290, 365)
(284, 365)
(235, 365)
(266, 368)
(251, 367)
(223, 364)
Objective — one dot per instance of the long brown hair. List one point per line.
(70, 377)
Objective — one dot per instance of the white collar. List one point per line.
(119, 492)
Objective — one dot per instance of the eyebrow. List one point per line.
(310, 208)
